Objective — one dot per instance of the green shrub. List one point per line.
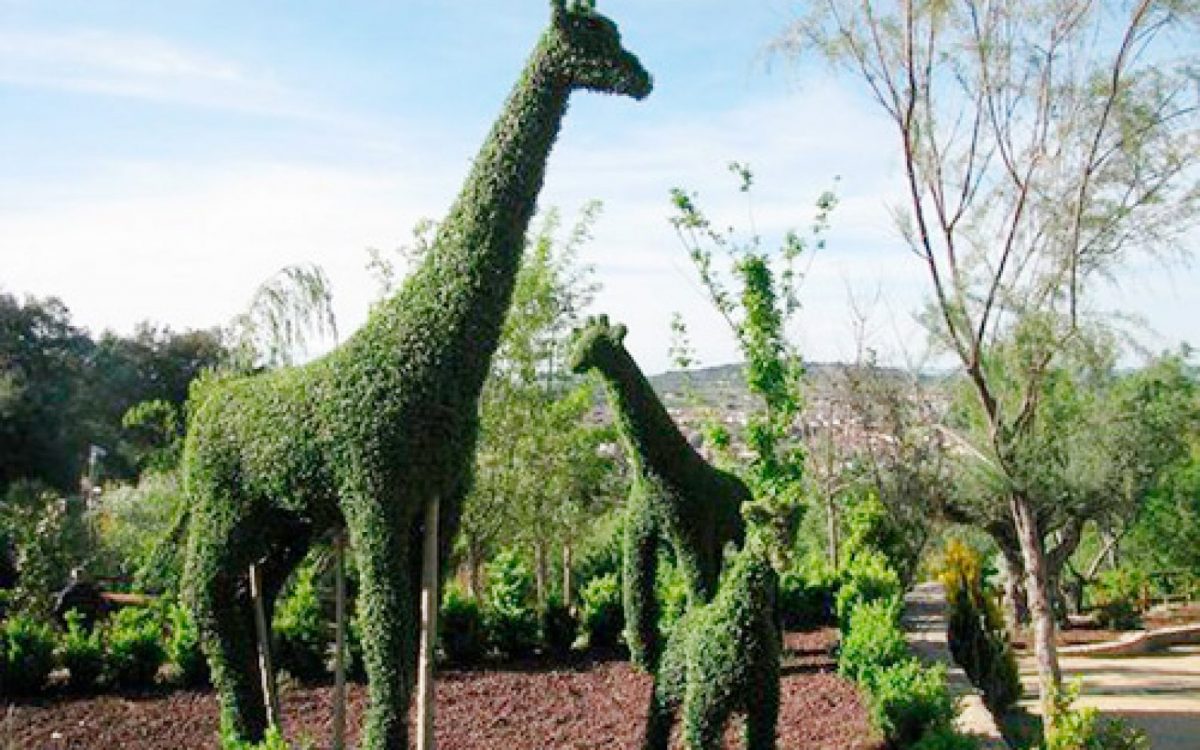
(873, 640)
(807, 599)
(510, 619)
(945, 738)
(183, 647)
(866, 578)
(1084, 729)
(135, 647)
(1117, 599)
(26, 654)
(559, 628)
(301, 629)
(460, 626)
(81, 651)
(976, 631)
(603, 614)
(672, 593)
(907, 699)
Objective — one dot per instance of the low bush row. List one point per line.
(124, 652)
(908, 703)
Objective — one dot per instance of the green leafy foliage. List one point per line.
(676, 496)
(945, 738)
(35, 520)
(461, 624)
(371, 432)
(758, 314)
(906, 699)
(1084, 729)
(134, 637)
(26, 654)
(603, 617)
(81, 651)
(868, 577)
(183, 647)
(510, 617)
(873, 640)
(807, 597)
(559, 628)
(301, 628)
(1117, 598)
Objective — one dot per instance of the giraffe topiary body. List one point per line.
(676, 496)
(723, 658)
(366, 436)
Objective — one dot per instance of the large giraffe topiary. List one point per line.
(367, 435)
(676, 496)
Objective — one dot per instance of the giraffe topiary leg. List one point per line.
(381, 536)
(217, 589)
(640, 573)
(705, 710)
(762, 714)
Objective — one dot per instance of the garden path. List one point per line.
(1159, 693)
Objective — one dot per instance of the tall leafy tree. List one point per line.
(1043, 144)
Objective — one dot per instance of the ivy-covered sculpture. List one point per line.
(367, 435)
(723, 658)
(676, 496)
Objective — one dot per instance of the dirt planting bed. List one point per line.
(596, 705)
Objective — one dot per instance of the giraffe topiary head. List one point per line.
(588, 52)
(595, 344)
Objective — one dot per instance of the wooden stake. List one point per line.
(429, 608)
(266, 673)
(339, 659)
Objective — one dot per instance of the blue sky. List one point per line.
(158, 161)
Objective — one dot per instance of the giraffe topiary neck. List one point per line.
(456, 301)
(651, 436)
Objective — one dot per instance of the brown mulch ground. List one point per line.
(594, 705)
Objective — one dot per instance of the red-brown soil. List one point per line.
(596, 705)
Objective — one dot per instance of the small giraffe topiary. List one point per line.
(723, 658)
(676, 496)
(366, 436)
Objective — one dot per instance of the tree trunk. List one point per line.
(429, 609)
(474, 570)
(540, 572)
(566, 563)
(1038, 591)
(832, 529)
(1016, 610)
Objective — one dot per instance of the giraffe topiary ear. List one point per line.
(618, 332)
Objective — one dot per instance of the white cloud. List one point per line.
(99, 61)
